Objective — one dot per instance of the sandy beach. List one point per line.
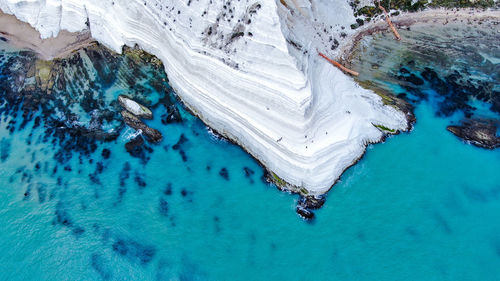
(23, 35)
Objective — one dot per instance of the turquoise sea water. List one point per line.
(420, 206)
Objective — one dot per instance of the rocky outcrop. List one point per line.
(481, 133)
(304, 213)
(133, 121)
(312, 202)
(307, 204)
(131, 116)
(134, 107)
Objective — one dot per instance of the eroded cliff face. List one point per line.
(249, 69)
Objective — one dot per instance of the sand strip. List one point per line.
(24, 36)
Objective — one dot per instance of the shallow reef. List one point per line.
(453, 66)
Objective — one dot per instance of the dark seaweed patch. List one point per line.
(163, 207)
(217, 224)
(168, 189)
(98, 263)
(93, 178)
(62, 216)
(482, 195)
(224, 173)
(98, 170)
(134, 251)
(496, 247)
(136, 147)
(124, 173)
(454, 90)
(78, 231)
(139, 180)
(180, 142)
(411, 231)
(407, 76)
(99, 167)
(442, 222)
(249, 173)
(183, 155)
(184, 192)
(180, 145)
(42, 192)
(27, 193)
(51, 99)
(121, 192)
(187, 194)
(26, 177)
(4, 149)
(106, 153)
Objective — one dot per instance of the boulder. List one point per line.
(132, 121)
(312, 202)
(304, 213)
(134, 107)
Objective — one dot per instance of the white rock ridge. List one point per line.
(247, 68)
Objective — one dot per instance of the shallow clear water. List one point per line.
(421, 206)
(454, 67)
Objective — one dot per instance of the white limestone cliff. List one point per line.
(249, 69)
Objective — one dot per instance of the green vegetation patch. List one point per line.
(385, 129)
(279, 181)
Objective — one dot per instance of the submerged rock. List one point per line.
(306, 204)
(481, 133)
(133, 144)
(304, 213)
(134, 107)
(131, 120)
(312, 202)
(172, 115)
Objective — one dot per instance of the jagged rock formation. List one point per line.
(481, 133)
(132, 121)
(249, 69)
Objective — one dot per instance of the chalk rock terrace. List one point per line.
(250, 70)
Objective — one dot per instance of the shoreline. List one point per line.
(406, 19)
(67, 42)
(22, 35)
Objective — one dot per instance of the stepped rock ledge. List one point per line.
(249, 69)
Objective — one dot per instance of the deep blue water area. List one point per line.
(76, 205)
